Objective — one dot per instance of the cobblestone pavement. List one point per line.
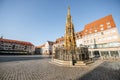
(38, 68)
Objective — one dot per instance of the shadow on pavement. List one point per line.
(102, 73)
(21, 58)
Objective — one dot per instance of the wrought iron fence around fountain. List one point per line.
(79, 54)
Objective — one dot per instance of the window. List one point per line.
(109, 38)
(95, 35)
(86, 36)
(90, 32)
(87, 41)
(107, 32)
(1, 42)
(80, 36)
(113, 31)
(84, 41)
(92, 35)
(99, 34)
(16, 47)
(19, 46)
(101, 28)
(95, 30)
(108, 26)
(91, 40)
(13, 47)
(115, 37)
(108, 23)
(104, 38)
(89, 35)
(96, 27)
(90, 28)
(77, 36)
(6, 45)
(99, 39)
(101, 25)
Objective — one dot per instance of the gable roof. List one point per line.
(16, 42)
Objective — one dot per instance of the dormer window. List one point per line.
(101, 29)
(108, 23)
(108, 26)
(90, 28)
(95, 30)
(101, 25)
(96, 27)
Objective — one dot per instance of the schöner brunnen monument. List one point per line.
(68, 54)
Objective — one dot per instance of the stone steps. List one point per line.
(80, 63)
(83, 63)
(69, 63)
(62, 62)
(89, 62)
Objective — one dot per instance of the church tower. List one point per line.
(70, 42)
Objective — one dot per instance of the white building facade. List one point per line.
(15, 46)
(46, 49)
(102, 38)
(58, 44)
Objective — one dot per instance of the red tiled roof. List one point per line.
(80, 33)
(91, 27)
(50, 42)
(16, 42)
(58, 40)
(40, 46)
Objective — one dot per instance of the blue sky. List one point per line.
(37, 21)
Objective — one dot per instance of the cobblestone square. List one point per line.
(37, 67)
